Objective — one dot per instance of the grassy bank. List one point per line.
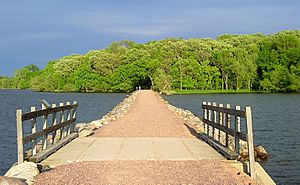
(195, 91)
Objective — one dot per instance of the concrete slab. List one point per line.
(73, 150)
(201, 150)
(103, 149)
(70, 152)
(150, 148)
(171, 149)
(137, 148)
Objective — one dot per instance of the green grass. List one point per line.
(195, 91)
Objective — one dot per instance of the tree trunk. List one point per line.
(222, 83)
(249, 84)
(151, 82)
(180, 78)
(226, 82)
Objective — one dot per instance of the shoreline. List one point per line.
(171, 92)
(196, 91)
(75, 92)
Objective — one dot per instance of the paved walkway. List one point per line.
(149, 145)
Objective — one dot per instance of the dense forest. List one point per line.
(229, 62)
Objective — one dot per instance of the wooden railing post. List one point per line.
(54, 122)
(45, 125)
(69, 116)
(237, 128)
(33, 130)
(227, 125)
(20, 136)
(214, 117)
(62, 119)
(209, 118)
(220, 123)
(74, 116)
(205, 117)
(250, 142)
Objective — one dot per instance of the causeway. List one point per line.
(148, 145)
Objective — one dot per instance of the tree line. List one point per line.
(229, 62)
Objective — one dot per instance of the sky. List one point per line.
(36, 32)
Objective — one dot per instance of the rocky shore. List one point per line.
(188, 117)
(23, 173)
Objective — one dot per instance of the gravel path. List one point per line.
(148, 117)
(145, 172)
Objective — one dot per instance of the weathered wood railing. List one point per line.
(224, 133)
(58, 123)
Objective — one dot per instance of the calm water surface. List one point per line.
(276, 122)
(91, 106)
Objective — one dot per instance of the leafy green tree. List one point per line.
(48, 79)
(87, 81)
(65, 66)
(294, 78)
(249, 61)
(102, 62)
(277, 80)
(6, 83)
(24, 76)
(223, 59)
(162, 81)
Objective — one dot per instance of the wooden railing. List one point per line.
(222, 127)
(57, 122)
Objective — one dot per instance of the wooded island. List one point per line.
(229, 62)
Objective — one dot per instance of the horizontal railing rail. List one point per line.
(44, 112)
(38, 134)
(234, 112)
(225, 129)
(57, 124)
(225, 134)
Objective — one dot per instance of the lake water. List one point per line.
(276, 122)
(91, 106)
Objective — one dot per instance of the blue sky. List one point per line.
(35, 32)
